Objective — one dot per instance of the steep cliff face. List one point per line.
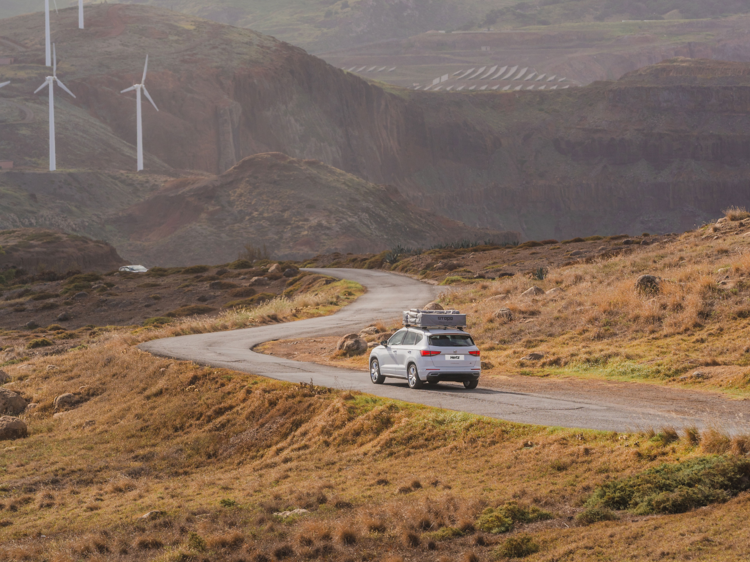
(658, 150)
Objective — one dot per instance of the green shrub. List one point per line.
(593, 515)
(501, 519)
(530, 244)
(156, 321)
(676, 488)
(44, 296)
(228, 503)
(446, 533)
(196, 542)
(41, 342)
(455, 279)
(241, 264)
(83, 278)
(194, 269)
(517, 547)
(252, 301)
(573, 241)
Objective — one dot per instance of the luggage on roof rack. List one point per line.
(434, 318)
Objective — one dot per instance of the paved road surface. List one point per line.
(387, 295)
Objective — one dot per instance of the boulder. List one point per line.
(533, 292)
(12, 428)
(221, 272)
(433, 306)
(65, 401)
(63, 317)
(533, 357)
(291, 272)
(275, 269)
(576, 253)
(259, 281)
(4, 378)
(82, 295)
(487, 365)
(31, 325)
(369, 331)
(352, 344)
(11, 403)
(151, 515)
(504, 314)
(554, 291)
(648, 284)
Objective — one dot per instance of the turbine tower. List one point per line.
(80, 14)
(139, 114)
(50, 83)
(47, 50)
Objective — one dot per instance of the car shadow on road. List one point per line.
(456, 389)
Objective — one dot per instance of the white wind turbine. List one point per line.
(139, 114)
(47, 50)
(50, 83)
(80, 14)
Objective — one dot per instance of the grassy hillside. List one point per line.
(154, 459)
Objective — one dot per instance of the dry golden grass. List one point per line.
(737, 213)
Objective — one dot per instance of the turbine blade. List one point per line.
(64, 87)
(145, 71)
(54, 60)
(128, 90)
(4, 84)
(55, 1)
(40, 87)
(145, 91)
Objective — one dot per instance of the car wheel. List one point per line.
(413, 376)
(375, 375)
(471, 385)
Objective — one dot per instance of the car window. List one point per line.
(451, 340)
(397, 338)
(410, 339)
(420, 337)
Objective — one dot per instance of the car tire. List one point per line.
(471, 385)
(412, 375)
(375, 375)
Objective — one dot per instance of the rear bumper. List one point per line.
(461, 376)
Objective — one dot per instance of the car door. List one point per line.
(406, 351)
(389, 357)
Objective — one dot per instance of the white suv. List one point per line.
(429, 355)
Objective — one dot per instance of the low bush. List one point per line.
(502, 519)
(737, 213)
(240, 264)
(156, 321)
(676, 488)
(517, 547)
(36, 344)
(191, 310)
(593, 515)
(195, 269)
(250, 302)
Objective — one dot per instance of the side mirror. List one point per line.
(384, 343)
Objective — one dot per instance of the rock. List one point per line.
(291, 272)
(275, 268)
(628, 242)
(487, 365)
(352, 344)
(11, 403)
(645, 242)
(504, 314)
(4, 378)
(52, 367)
(221, 272)
(32, 406)
(31, 325)
(372, 344)
(533, 357)
(554, 291)
(63, 317)
(533, 292)
(433, 306)
(696, 376)
(369, 331)
(259, 281)
(648, 284)
(576, 253)
(12, 428)
(65, 401)
(285, 514)
(82, 295)
(151, 515)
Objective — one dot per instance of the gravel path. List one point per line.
(582, 404)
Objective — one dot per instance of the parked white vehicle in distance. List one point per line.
(427, 355)
(133, 269)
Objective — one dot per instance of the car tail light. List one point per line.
(428, 353)
(475, 353)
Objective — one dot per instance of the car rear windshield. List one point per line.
(451, 340)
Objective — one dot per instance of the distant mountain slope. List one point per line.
(295, 208)
(323, 25)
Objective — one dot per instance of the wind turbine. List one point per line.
(80, 14)
(4, 84)
(47, 39)
(50, 83)
(139, 114)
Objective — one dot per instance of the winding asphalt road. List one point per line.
(387, 296)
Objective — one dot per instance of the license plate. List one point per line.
(455, 357)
